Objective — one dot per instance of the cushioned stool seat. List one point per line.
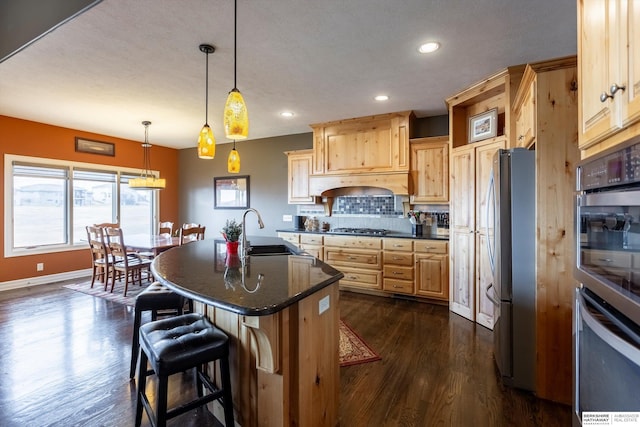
(156, 297)
(174, 345)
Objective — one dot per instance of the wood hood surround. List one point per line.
(365, 155)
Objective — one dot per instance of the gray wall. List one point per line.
(265, 163)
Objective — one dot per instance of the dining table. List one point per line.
(153, 243)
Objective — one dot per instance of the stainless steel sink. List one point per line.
(270, 250)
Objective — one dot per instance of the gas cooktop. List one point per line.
(366, 231)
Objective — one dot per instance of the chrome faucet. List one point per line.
(244, 248)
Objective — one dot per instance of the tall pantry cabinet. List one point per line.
(469, 272)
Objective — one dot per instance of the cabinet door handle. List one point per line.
(613, 89)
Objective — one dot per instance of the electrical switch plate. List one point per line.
(324, 304)
(40, 266)
(287, 218)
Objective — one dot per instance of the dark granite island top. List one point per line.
(282, 322)
(264, 285)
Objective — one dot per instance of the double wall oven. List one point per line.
(606, 321)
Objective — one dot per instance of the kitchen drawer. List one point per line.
(606, 258)
(361, 278)
(353, 242)
(311, 239)
(397, 258)
(398, 272)
(353, 257)
(431, 246)
(290, 237)
(398, 286)
(397, 245)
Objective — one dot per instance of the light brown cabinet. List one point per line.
(313, 245)
(370, 144)
(608, 72)
(432, 269)
(299, 168)
(359, 258)
(398, 266)
(525, 114)
(430, 170)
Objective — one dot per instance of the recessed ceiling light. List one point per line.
(429, 47)
(287, 114)
(381, 97)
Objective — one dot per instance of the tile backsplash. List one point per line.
(373, 211)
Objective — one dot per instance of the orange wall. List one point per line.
(28, 138)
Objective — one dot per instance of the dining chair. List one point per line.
(166, 227)
(191, 233)
(130, 265)
(101, 259)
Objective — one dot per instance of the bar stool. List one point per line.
(155, 297)
(174, 345)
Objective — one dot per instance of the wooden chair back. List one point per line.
(166, 227)
(100, 256)
(191, 234)
(107, 224)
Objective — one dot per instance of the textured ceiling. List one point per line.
(125, 61)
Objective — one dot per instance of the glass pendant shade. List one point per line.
(147, 180)
(233, 162)
(206, 143)
(236, 118)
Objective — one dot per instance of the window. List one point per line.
(41, 215)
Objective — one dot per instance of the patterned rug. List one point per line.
(353, 350)
(116, 296)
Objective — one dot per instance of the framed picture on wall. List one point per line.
(483, 125)
(231, 192)
(95, 147)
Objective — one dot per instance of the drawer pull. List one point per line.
(353, 277)
(397, 245)
(605, 259)
(351, 257)
(397, 273)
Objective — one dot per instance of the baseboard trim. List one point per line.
(44, 280)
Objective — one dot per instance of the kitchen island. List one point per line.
(280, 312)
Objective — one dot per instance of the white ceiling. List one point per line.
(125, 61)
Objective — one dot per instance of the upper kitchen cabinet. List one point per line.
(429, 170)
(497, 92)
(377, 143)
(299, 168)
(608, 73)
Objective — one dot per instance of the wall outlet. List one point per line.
(40, 266)
(287, 218)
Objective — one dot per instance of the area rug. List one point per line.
(353, 349)
(115, 296)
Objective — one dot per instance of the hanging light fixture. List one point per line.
(206, 141)
(146, 180)
(236, 118)
(233, 162)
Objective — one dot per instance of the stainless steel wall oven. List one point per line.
(606, 323)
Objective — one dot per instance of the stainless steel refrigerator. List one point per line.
(511, 205)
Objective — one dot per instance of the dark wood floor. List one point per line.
(64, 360)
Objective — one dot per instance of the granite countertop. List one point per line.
(390, 234)
(266, 284)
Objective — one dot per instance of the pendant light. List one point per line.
(233, 162)
(146, 180)
(206, 141)
(236, 118)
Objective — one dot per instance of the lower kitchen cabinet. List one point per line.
(398, 266)
(362, 267)
(432, 269)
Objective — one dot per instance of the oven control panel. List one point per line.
(618, 168)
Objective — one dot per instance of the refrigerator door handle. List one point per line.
(491, 190)
(490, 295)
